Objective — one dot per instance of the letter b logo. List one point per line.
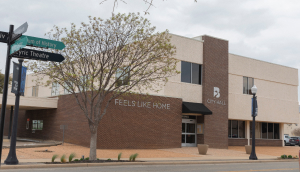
(216, 92)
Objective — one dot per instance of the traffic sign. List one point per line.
(45, 43)
(3, 37)
(38, 55)
(19, 31)
(19, 44)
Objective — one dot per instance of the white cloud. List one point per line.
(261, 29)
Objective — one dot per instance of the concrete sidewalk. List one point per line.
(34, 157)
(26, 143)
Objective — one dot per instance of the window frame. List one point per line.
(238, 132)
(191, 73)
(56, 91)
(248, 90)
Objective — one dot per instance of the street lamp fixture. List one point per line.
(254, 114)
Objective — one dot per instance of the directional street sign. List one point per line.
(45, 43)
(20, 30)
(38, 55)
(19, 44)
(3, 37)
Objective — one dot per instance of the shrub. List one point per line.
(134, 156)
(71, 156)
(76, 159)
(130, 158)
(87, 158)
(63, 159)
(108, 159)
(290, 157)
(98, 159)
(283, 156)
(54, 157)
(81, 159)
(119, 156)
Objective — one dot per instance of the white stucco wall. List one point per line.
(277, 90)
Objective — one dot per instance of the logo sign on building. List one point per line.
(15, 83)
(216, 92)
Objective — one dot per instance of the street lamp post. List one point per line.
(254, 114)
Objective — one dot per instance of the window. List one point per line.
(35, 91)
(190, 72)
(247, 85)
(236, 129)
(122, 76)
(37, 124)
(264, 130)
(65, 90)
(55, 89)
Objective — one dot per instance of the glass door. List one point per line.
(188, 134)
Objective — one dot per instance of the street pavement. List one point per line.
(233, 167)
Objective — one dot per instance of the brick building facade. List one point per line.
(213, 109)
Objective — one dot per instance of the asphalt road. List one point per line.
(233, 167)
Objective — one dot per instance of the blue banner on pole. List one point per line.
(14, 88)
(255, 106)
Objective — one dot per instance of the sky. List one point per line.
(261, 29)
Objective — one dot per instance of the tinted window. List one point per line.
(196, 73)
(264, 130)
(229, 128)
(234, 125)
(276, 131)
(250, 85)
(270, 130)
(241, 129)
(185, 72)
(245, 85)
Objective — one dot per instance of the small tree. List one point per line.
(2, 76)
(296, 132)
(107, 59)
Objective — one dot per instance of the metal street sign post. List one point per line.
(38, 55)
(19, 44)
(45, 43)
(12, 156)
(11, 37)
(5, 87)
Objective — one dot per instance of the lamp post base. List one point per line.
(252, 157)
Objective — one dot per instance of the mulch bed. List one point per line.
(91, 161)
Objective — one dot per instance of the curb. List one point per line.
(135, 163)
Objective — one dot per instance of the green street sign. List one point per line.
(19, 44)
(45, 43)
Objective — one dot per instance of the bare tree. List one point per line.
(106, 59)
(296, 132)
(148, 2)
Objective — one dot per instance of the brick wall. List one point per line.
(237, 142)
(122, 127)
(266, 142)
(215, 74)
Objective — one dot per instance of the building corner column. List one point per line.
(248, 131)
(281, 126)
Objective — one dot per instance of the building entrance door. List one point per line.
(188, 136)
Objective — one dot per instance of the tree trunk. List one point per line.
(93, 145)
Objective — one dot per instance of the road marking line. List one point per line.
(263, 170)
